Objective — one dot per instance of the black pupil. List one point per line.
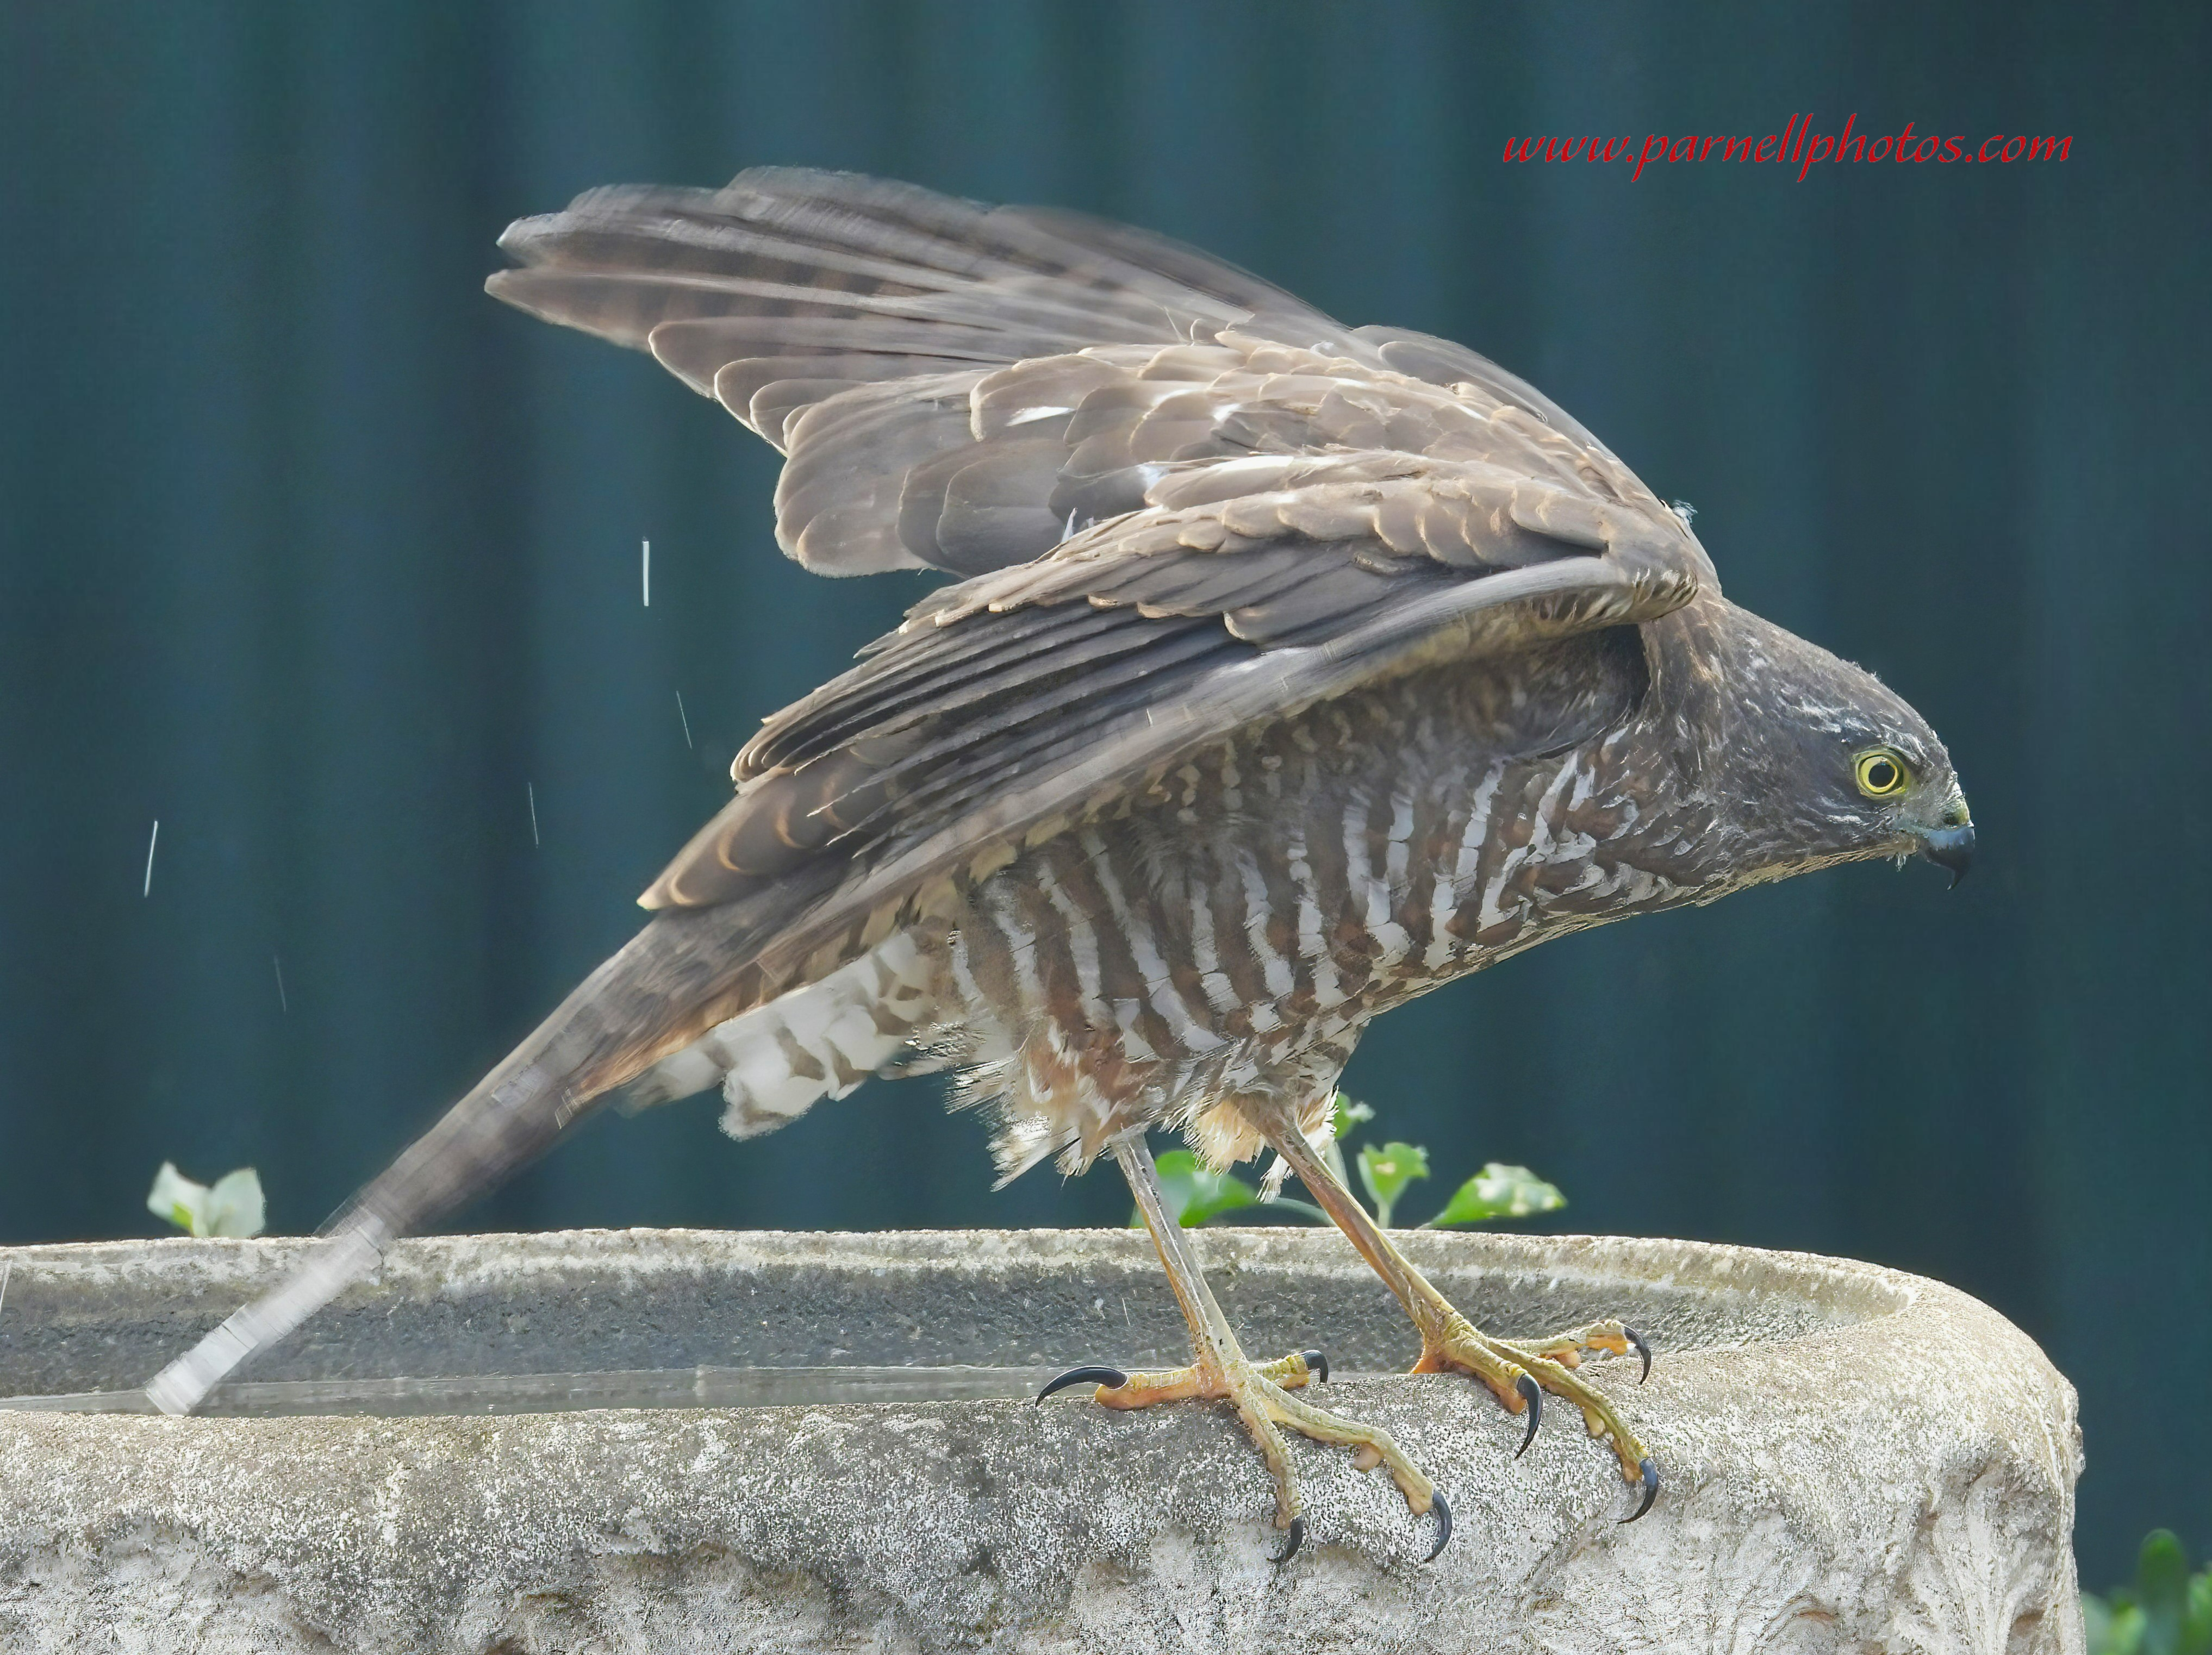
(1882, 775)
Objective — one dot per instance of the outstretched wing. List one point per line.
(1185, 502)
(872, 331)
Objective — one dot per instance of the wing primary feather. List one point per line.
(961, 765)
(934, 700)
(1040, 701)
(844, 708)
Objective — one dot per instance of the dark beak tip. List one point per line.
(1952, 849)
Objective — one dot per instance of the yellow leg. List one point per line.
(1221, 1372)
(1517, 1371)
(1191, 1384)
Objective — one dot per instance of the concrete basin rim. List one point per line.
(1846, 1291)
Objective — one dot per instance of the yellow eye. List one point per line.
(1880, 774)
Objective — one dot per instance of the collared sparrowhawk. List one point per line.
(1288, 670)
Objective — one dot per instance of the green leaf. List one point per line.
(1194, 1194)
(233, 1207)
(1499, 1191)
(2162, 1592)
(178, 1199)
(2097, 1625)
(1305, 1210)
(2196, 1619)
(1386, 1172)
(2112, 1629)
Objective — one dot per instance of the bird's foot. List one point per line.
(1119, 1390)
(1519, 1371)
(1617, 1338)
(1262, 1395)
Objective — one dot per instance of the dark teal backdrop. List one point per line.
(331, 564)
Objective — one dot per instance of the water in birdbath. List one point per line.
(405, 1397)
(508, 1324)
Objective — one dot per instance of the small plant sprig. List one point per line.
(231, 1206)
(2166, 1611)
(1197, 1195)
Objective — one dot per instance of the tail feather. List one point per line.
(652, 997)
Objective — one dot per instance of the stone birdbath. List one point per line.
(696, 1441)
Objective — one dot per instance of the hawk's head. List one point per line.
(1823, 762)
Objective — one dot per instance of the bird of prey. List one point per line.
(1290, 670)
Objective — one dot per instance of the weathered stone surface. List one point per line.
(1856, 1459)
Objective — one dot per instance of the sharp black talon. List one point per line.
(1085, 1376)
(1318, 1361)
(1642, 1349)
(1297, 1539)
(1651, 1489)
(1527, 1385)
(1442, 1509)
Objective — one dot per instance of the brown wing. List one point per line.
(849, 322)
(958, 385)
(1187, 502)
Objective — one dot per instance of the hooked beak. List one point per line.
(1952, 848)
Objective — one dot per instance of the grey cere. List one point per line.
(685, 717)
(148, 890)
(532, 788)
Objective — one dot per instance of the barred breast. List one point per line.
(1232, 931)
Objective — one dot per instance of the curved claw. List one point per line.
(1651, 1489)
(1527, 1385)
(1642, 1349)
(1317, 1362)
(1297, 1539)
(1442, 1509)
(1113, 1376)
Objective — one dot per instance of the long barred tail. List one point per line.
(624, 1018)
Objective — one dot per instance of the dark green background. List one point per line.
(321, 557)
